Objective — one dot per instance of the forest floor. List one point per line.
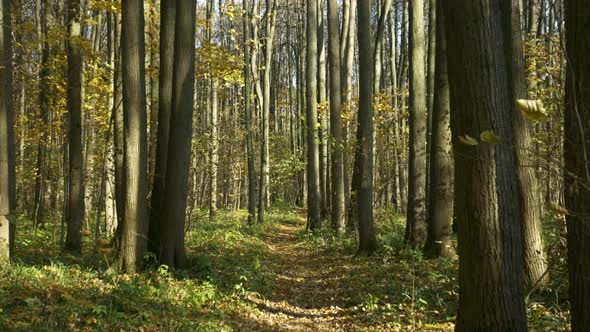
(270, 277)
(316, 289)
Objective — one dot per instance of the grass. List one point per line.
(252, 278)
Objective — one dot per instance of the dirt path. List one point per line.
(309, 291)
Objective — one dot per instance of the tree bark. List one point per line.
(179, 145)
(167, 19)
(213, 152)
(364, 147)
(134, 228)
(491, 284)
(75, 205)
(337, 145)
(248, 113)
(416, 211)
(119, 128)
(438, 240)
(264, 200)
(41, 170)
(577, 165)
(323, 116)
(313, 163)
(529, 193)
(7, 163)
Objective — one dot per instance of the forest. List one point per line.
(295, 165)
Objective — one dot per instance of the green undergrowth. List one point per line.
(46, 289)
(397, 283)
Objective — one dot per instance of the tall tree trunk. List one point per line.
(134, 229)
(323, 116)
(264, 200)
(75, 205)
(416, 213)
(213, 152)
(7, 167)
(119, 128)
(167, 19)
(313, 163)
(41, 170)
(530, 198)
(179, 145)
(577, 165)
(336, 143)
(438, 240)
(381, 25)
(364, 147)
(430, 83)
(347, 57)
(248, 112)
(491, 285)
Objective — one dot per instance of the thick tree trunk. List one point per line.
(491, 285)
(416, 212)
(313, 163)
(577, 165)
(364, 147)
(75, 205)
(134, 229)
(167, 19)
(438, 240)
(530, 198)
(179, 145)
(7, 166)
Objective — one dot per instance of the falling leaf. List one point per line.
(532, 109)
(559, 209)
(103, 243)
(466, 139)
(488, 136)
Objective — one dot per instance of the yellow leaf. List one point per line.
(532, 109)
(559, 209)
(466, 139)
(488, 136)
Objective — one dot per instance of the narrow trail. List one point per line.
(309, 288)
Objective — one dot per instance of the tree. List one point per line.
(41, 169)
(264, 200)
(438, 240)
(167, 22)
(179, 146)
(134, 227)
(577, 165)
(364, 147)
(491, 285)
(337, 144)
(313, 162)
(248, 115)
(213, 150)
(7, 170)
(416, 211)
(528, 188)
(347, 36)
(75, 205)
